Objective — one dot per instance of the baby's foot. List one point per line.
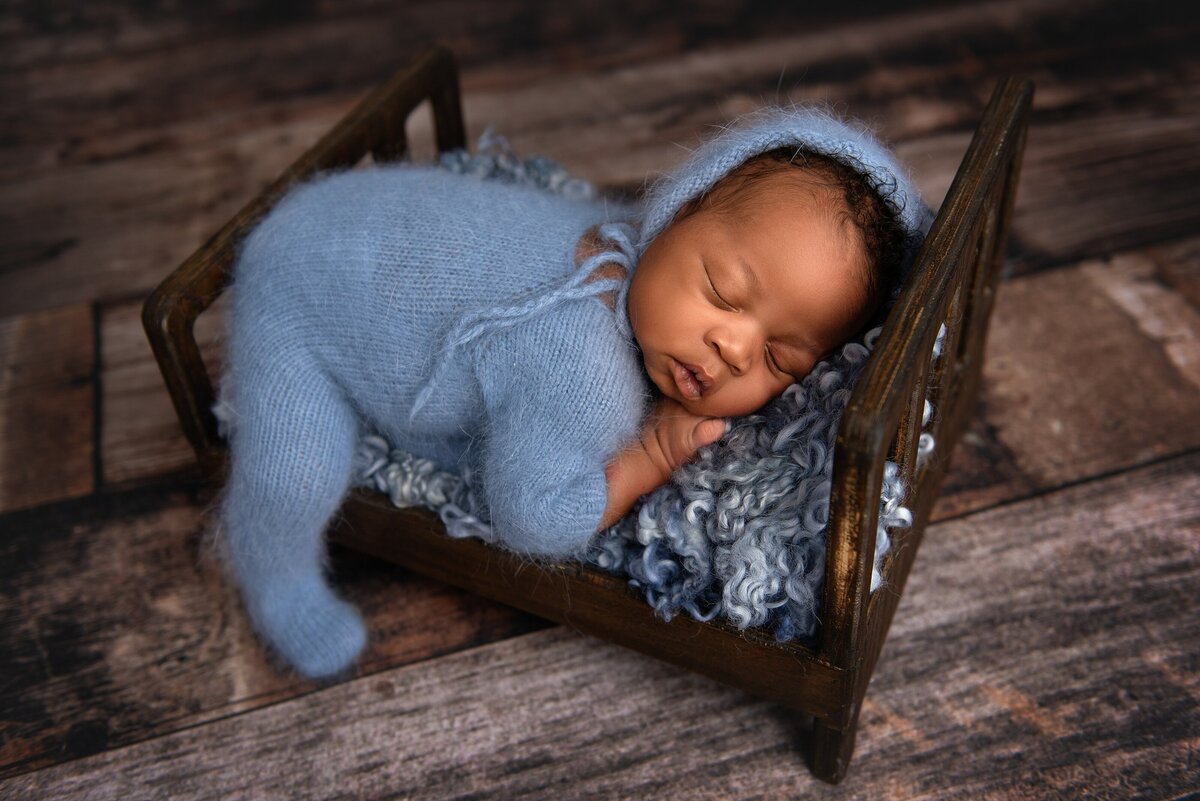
(318, 633)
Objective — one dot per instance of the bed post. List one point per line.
(952, 282)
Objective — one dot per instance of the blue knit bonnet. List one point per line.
(777, 127)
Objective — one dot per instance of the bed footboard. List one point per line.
(952, 284)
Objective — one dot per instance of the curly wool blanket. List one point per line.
(739, 532)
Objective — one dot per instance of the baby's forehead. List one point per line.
(757, 183)
(793, 194)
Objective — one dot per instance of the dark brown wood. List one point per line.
(109, 184)
(47, 406)
(127, 628)
(1045, 650)
(883, 418)
(140, 436)
(592, 602)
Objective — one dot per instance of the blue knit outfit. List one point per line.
(412, 303)
(446, 314)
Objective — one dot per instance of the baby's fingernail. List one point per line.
(728, 426)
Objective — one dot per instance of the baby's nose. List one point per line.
(735, 350)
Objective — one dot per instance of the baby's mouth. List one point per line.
(690, 380)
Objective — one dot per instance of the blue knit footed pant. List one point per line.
(292, 449)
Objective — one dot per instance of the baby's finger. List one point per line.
(707, 432)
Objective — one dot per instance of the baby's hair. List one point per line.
(873, 215)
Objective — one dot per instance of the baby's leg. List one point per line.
(292, 447)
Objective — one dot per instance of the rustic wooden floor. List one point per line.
(1046, 646)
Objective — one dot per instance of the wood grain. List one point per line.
(520, 36)
(46, 348)
(126, 628)
(111, 209)
(1043, 649)
(1088, 410)
(140, 434)
(47, 406)
(1088, 370)
(1177, 265)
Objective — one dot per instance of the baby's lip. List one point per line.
(701, 374)
(691, 380)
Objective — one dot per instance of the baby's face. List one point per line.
(732, 306)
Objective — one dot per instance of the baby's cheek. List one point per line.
(772, 388)
(739, 398)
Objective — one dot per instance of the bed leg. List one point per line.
(831, 750)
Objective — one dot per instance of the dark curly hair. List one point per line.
(868, 207)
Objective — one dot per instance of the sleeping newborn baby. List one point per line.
(570, 354)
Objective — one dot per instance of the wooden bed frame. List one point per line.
(953, 282)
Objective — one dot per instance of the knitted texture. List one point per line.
(362, 294)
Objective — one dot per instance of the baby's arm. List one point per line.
(669, 438)
(560, 460)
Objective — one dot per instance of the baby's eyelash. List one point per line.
(771, 359)
(726, 304)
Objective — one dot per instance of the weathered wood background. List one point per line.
(1047, 643)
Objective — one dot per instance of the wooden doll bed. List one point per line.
(953, 282)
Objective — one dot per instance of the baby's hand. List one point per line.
(670, 438)
(672, 435)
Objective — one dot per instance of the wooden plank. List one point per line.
(47, 406)
(143, 186)
(1043, 649)
(46, 448)
(1112, 182)
(140, 437)
(1135, 284)
(840, 54)
(118, 626)
(1088, 370)
(484, 33)
(144, 216)
(225, 66)
(55, 346)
